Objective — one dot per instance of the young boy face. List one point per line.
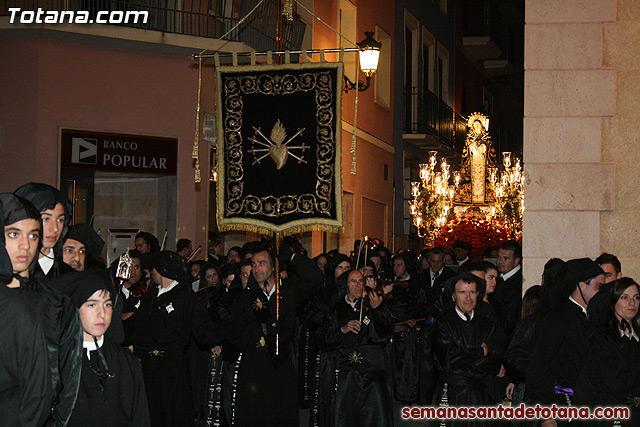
(52, 223)
(21, 242)
(95, 314)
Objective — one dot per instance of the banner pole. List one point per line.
(277, 278)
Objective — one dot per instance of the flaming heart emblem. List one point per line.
(276, 146)
(278, 151)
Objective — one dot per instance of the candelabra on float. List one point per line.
(432, 204)
(509, 195)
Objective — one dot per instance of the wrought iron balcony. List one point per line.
(201, 18)
(426, 114)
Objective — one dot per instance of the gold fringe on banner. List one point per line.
(289, 231)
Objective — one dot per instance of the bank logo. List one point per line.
(84, 151)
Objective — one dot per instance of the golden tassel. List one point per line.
(194, 153)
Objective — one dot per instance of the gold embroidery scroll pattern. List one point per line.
(264, 84)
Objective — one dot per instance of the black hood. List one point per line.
(43, 197)
(14, 209)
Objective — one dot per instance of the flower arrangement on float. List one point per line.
(481, 232)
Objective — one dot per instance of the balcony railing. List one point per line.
(426, 113)
(189, 17)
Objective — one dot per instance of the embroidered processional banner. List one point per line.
(279, 147)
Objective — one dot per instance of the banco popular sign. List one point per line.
(114, 152)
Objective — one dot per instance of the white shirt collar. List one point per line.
(584, 310)
(268, 295)
(463, 261)
(432, 275)
(633, 334)
(434, 272)
(46, 263)
(168, 288)
(91, 346)
(506, 276)
(126, 292)
(461, 314)
(352, 304)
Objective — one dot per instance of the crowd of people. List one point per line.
(252, 336)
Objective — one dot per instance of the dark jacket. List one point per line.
(610, 375)
(507, 302)
(558, 355)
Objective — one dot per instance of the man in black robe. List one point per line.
(55, 210)
(322, 303)
(25, 380)
(262, 330)
(402, 351)
(81, 247)
(160, 329)
(432, 302)
(561, 337)
(111, 387)
(362, 396)
(56, 313)
(507, 298)
(462, 250)
(465, 350)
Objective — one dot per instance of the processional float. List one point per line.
(476, 203)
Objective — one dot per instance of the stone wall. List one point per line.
(581, 147)
(620, 227)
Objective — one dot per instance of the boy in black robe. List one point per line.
(56, 313)
(55, 210)
(111, 388)
(25, 382)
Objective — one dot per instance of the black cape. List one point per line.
(464, 367)
(266, 387)
(120, 400)
(362, 395)
(160, 330)
(63, 334)
(402, 351)
(611, 375)
(558, 354)
(25, 378)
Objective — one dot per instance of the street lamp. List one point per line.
(369, 55)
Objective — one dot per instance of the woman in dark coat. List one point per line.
(611, 373)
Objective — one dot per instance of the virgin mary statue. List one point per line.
(478, 155)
